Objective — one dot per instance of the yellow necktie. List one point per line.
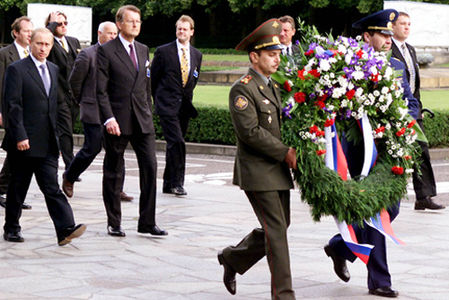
(64, 46)
(184, 67)
(25, 52)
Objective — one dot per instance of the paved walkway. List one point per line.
(183, 265)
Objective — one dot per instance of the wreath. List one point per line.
(336, 82)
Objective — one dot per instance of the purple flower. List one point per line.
(348, 72)
(312, 96)
(286, 110)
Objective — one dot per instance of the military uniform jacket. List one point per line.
(255, 112)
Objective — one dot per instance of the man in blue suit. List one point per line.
(376, 31)
(30, 104)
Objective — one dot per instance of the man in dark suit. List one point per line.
(262, 164)
(174, 74)
(124, 96)
(63, 54)
(376, 32)
(30, 120)
(424, 184)
(21, 30)
(83, 81)
(287, 33)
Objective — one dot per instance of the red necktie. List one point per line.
(133, 56)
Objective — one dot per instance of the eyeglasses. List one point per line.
(63, 23)
(132, 22)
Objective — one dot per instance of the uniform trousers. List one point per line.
(272, 209)
(378, 274)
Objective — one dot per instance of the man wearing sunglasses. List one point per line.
(63, 54)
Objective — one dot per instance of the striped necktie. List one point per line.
(410, 67)
(184, 67)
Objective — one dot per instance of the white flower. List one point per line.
(409, 171)
(332, 75)
(359, 92)
(376, 93)
(387, 126)
(341, 48)
(385, 90)
(344, 103)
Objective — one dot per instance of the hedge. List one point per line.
(213, 125)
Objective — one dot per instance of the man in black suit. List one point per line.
(63, 54)
(30, 97)
(21, 30)
(124, 97)
(287, 33)
(424, 184)
(83, 81)
(174, 74)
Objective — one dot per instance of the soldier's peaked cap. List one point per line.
(381, 21)
(264, 37)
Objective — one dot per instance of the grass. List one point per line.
(216, 68)
(215, 95)
(225, 57)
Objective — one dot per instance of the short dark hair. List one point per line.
(47, 21)
(403, 14)
(122, 9)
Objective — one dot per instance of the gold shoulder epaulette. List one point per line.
(246, 79)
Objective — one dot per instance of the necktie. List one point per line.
(64, 46)
(45, 78)
(410, 67)
(184, 67)
(25, 52)
(133, 56)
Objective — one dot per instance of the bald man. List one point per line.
(83, 81)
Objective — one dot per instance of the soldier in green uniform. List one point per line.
(262, 164)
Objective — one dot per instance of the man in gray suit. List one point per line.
(124, 96)
(83, 81)
(21, 30)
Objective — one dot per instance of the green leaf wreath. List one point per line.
(338, 81)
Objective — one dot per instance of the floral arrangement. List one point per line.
(338, 81)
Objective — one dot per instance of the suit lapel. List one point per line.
(397, 53)
(53, 77)
(142, 57)
(123, 56)
(72, 47)
(34, 73)
(175, 57)
(13, 53)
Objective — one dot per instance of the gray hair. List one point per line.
(102, 25)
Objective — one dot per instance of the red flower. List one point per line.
(320, 104)
(322, 98)
(350, 94)
(380, 129)
(310, 52)
(329, 122)
(320, 152)
(397, 170)
(287, 86)
(359, 53)
(411, 124)
(315, 73)
(319, 133)
(400, 132)
(407, 157)
(300, 97)
(301, 74)
(375, 78)
(313, 129)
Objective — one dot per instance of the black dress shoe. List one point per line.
(116, 231)
(384, 292)
(427, 203)
(26, 206)
(228, 275)
(15, 237)
(71, 233)
(2, 200)
(154, 230)
(177, 191)
(340, 267)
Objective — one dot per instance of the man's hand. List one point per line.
(290, 158)
(54, 16)
(23, 145)
(113, 128)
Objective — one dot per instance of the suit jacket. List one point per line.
(83, 82)
(64, 61)
(170, 97)
(31, 114)
(413, 103)
(8, 55)
(255, 113)
(396, 52)
(122, 90)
